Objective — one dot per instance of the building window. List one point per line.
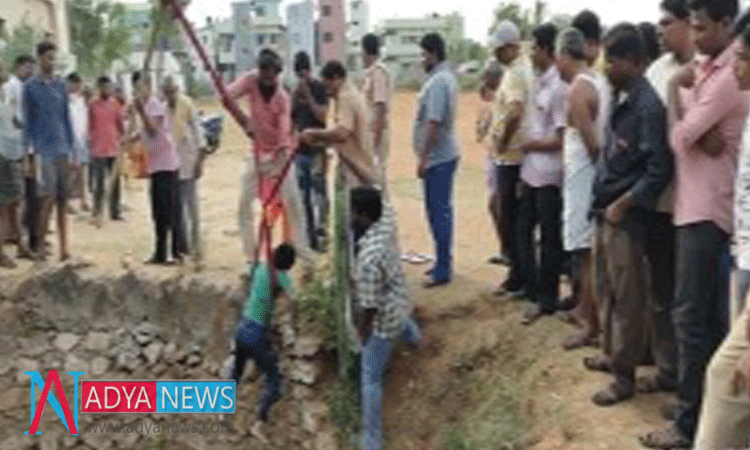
(274, 38)
(355, 23)
(327, 10)
(327, 37)
(260, 11)
(261, 39)
(409, 40)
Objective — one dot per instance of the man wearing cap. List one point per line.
(511, 100)
(270, 126)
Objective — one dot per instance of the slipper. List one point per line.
(669, 438)
(597, 364)
(612, 395)
(415, 258)
(580, 340)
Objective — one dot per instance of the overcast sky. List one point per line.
(477, 13)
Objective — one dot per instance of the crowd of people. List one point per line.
(60, 141)
(621, 160)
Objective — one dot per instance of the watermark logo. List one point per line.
(128, 397)
(61, 407)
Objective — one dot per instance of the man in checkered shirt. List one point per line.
(385, 311)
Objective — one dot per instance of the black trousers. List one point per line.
(101, 170)
(165, 209)
(508, 178)
(540, 276)
(31, 214)
(700, 314)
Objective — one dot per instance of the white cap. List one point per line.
(506, 33)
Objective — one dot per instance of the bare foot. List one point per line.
(64, 257)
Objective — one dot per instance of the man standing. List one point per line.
(633, 169)
(707, 124)
(511, 102)
(436, 146)
(725, 409)
(377, 89)
(79, 117)
(11, 183)
(163, 164)
(674, 30)
(309, 110)
(188, 139)
(541, 177)
(270, 127)
(48, 130)
(382, 296)
(13, 89)
(106, 127)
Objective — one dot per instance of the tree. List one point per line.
(20, 42)
(98, 34)
(525, 19)
(467, 50)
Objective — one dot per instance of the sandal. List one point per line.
(597, 364)
(669, 438)
(612, 395)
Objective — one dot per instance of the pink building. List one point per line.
(331, 30)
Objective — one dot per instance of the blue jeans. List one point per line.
(252, 343)
(375, 356)
(438, 194)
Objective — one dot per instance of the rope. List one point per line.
(264, 233)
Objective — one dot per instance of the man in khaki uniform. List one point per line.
(378, 92)
(349, 135)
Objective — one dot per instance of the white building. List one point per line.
(300, 19)
(359, 26)
(401, 52)
(48, 18)
(257, 25)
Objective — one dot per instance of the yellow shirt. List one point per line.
(515, 86)
(350, 112)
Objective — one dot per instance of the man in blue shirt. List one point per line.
(48, 131)
(436, 146)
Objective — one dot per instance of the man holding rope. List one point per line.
(270, 126)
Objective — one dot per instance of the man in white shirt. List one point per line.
(79, 117)
(11, 181)
(13, 92)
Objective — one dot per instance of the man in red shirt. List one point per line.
(106, 127)
(270, 126)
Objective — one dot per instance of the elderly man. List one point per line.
(189, 141)
(511, 101)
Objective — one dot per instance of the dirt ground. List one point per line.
(484, 382)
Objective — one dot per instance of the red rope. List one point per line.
(264, 233)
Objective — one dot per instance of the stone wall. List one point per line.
(129, 326)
